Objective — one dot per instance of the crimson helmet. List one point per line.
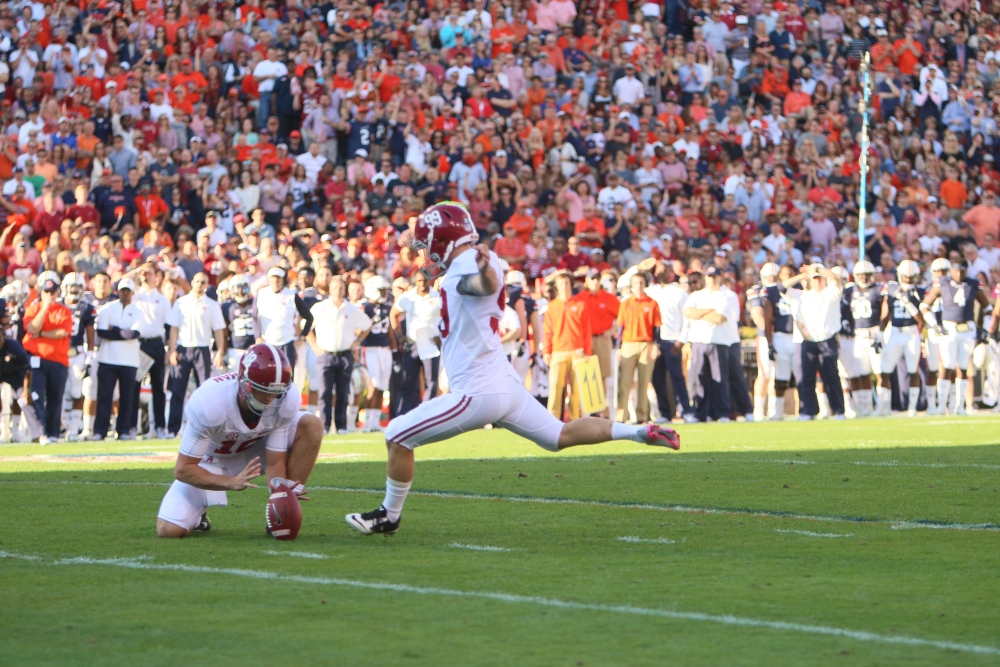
(442, 228)
(264, 368)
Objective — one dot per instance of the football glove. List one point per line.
(772, 353)
(981, 335)
(877, 343)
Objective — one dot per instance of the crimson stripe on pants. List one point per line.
(435, 420)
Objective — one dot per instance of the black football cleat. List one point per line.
(661, 436)
(205, 524)
(370, 523)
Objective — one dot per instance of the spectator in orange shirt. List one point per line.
(953, 192)
(150, 206)
(908, 52)
(194, 83)
(511, 248)
(589, 230)
(639, 317)
(522, 223)
(774, 85)
(567, 337)
(798, 103)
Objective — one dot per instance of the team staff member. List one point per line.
(101, 294)
(705, 311)
(602, 310)
(639, 316)
(194, 321)
(336, 325)
(420, 343)
(818, 318)
(567, 337)
(668, 369)
(48, 326)
(119, 326)
(154, 308)
(740, 393)
(277, 311)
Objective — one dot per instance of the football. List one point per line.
(284, 513)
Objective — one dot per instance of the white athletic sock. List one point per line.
(758, 407)
(912, 398)
(944, 394)
(73, 426)
(931, 398)
(959, 394)
(395, 496)
(779, 407)
(88, 423)
(621, 431)
(884, 400)
(824, 406)
(864, 401)
(352, 417)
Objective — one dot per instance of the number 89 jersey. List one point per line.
(470, 345)
(216, 431)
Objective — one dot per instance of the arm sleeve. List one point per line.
(104, 328)
(305, 313)
(277, 440)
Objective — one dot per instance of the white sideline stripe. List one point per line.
(812, 534)
(858, 635)
(295, 554)
(631, 539)
(897, 464)
(686, 509)
(476, 547)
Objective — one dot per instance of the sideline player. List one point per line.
(940, 268)
(959, 295)
(232, 420)
(485, 388)
(847, 362)
(755, 297)
(81, 347)
(901, 311)
(865, 298)
(238, 315)
(376, 349)
(780, 301)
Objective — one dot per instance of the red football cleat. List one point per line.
(658, 436)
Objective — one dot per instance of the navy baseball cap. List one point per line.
(711, 270)
(50, 286)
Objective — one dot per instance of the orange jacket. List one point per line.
(567, 326)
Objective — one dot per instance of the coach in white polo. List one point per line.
(818, 318)
(706, 312)
(278, 312)
(334, 338)
(194, 321)
(154, 309)
(117, 325)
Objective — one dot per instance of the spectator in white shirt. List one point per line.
(93, 56)
(615, 193)
(628, 89)
(989, 251)
(818, 318)
(23, 63)
(312, 161)
(931, 241)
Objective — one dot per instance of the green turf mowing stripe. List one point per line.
(142, 563)
(687, 509)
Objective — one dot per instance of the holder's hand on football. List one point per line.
(298, 489)
(241, 480)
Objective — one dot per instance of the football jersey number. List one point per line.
(861, 309)
(960, 296)
(226, 446)
(242, 326)
(380, 327)
(899, 310)
(784, 307)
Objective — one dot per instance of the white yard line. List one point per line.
(631, 539)
(858, 635)
(476, 547)
(295, 554)
(809, 533)
(686, 509)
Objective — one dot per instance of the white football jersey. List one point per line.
(215, 429)
(470, 346)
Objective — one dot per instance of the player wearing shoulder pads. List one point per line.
(485, 388)
(864, 298)
(901, 309)
(233, 421)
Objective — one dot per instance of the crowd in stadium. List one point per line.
(662, 179)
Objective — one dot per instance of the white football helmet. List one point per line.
(239, 287)
(940, 265)
(47, 275)
(769, 274)
(73, 286)
(517, 278)
(908, 271)
(360, 379)
(864, 273)
(15, 292)
(374, 287)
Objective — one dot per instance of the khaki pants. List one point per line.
(560, 375)
(602, 350)
(631, 356)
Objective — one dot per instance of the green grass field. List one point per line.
(856, 543)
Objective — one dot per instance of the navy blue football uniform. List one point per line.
(379, 334)
(239, 322)
(899, 297)
(958, 299)
(865, 303)
(783, 320)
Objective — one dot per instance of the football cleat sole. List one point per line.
(659, 436)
